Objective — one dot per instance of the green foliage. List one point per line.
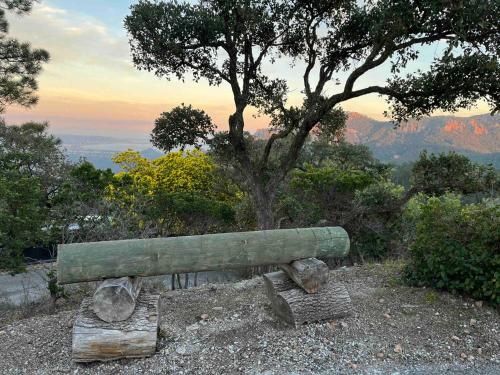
(456, 246)
(437, 174)
(55, 290)
(325, 179)
(376, 228)
(19, 63)
(22, 215)
(233, 41)
(32, 170)
(182, 126)
(178, 193)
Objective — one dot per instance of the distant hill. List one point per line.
(477, 137)
(99, 150)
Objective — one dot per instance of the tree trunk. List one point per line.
(263, 202)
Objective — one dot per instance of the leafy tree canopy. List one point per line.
(20, 64)
(437, 174)
(182, 126)
(234, 41)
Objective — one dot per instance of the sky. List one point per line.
(90, 85)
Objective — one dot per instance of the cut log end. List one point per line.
(310, 274)
(96, 340)
(295, 306)
(115, 299)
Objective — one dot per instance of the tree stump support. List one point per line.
(135, 337)
(294, 306)
(115, 299)
(310, 274)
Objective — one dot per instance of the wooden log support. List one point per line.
(114, 299)
(159, 256)
(310, 274)
(295, 306)
(96, 340)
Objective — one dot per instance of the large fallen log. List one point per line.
(295, 306)
(114, 299)
(158, 256)
(96, 340)
(310, 274)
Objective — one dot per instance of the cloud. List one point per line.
(72, 37)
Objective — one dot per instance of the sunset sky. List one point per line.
(90, 86)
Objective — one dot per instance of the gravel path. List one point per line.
(394, 330)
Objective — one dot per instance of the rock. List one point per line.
(479, 351)
(478, 304)
(463, 356)
(380, 355)
(193, 327)
(398, 348)
(204, 316)
(455, 338)
(387, 316)
(344, 325)
(473, 322)
(185, 350)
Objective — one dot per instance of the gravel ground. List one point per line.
(394, 330)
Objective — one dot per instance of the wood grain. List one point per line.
(158, 256)
(97, 340)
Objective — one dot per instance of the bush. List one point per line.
(375, 231)
(455, 246)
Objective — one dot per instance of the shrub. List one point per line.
(375, 231)
(455, 246)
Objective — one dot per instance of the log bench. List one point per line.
(121, 321)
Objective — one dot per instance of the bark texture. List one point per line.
(115, 299)
(96, 340)
(295, 306)
(310, 274)
(159, 256)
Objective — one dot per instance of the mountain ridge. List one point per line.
(477, 137)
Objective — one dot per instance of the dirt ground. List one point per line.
(394, 330)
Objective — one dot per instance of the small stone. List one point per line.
(456, 338)
(218, 308)
(463, 356)
(354, 366)
(470, 358)
(344, 325)
(204, 316)
(473, 322)
(380, 355)
(193, 327)
(185, 350)
(479, 351)
(478, 304)
(398, 348)
(381, 300)
(387, 316)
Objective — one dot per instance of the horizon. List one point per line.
(90, 86)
